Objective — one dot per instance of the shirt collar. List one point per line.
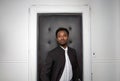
(64, 48)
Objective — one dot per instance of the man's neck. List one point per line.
(64, 46)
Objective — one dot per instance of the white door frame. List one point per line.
(33, 36)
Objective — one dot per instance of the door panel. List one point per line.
(47, 24)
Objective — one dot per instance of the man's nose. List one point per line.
(62, 37)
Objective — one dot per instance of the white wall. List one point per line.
(105, 31)
(13, 40)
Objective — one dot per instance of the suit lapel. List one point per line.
(62, 54)
(70, 54)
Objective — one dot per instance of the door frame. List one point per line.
(33, 36)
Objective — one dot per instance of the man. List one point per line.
(61, 62)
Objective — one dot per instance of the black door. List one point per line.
(47, 24)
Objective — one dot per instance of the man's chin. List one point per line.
(63, 45)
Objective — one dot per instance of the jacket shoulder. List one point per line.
(71, 49)
(55, 51)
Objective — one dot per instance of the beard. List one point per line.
(62, 44)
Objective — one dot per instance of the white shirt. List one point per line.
(67, 72)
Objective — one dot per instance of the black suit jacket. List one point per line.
(55, 62)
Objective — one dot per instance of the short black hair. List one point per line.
(62, 29)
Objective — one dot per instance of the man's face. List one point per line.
(62, 38)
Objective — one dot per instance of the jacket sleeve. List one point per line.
(46, 70)
(77, 73)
